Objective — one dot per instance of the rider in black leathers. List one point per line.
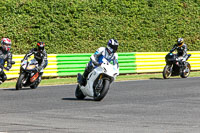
(40, 55)
(181, 48)
(5, 56)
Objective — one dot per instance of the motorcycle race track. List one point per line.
(145, 106)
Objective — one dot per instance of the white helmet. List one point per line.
(6, 44)
(112, 45)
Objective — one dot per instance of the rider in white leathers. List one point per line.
(108, 53)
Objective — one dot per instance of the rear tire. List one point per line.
(79, 94)
(19, 82)
(166, 72)
(103, 92)
(186, 71)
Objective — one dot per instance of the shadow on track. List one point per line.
(164, 79)
(75, 99)
(13, 89)
(156, 78)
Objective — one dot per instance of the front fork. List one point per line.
(170, 68)
(182, 67)
(24, 81)
(100, 82)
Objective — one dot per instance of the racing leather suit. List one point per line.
(95, 60)
(181, 52)
(41, 57)
(5, 56)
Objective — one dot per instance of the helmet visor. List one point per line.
(180, 43)
(7, 47)
(114, 47)
(40, 49)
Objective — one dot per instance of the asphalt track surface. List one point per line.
(147, 106)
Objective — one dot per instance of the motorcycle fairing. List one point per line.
(32, 79)
(92, 76)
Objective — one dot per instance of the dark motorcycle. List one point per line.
(175, 66)
(29, 76)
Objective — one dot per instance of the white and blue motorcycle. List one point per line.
(98, 81)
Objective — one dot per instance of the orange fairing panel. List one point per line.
(32, 79)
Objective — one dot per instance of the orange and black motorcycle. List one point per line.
(29, 76)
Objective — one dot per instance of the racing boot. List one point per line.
(3, 76)
(79, 78)
(82, 78)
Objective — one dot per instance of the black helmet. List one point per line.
(112, 45)
(40, 46)
(180, 41)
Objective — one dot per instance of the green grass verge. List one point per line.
(72, 80)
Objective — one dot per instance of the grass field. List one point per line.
(72, 80)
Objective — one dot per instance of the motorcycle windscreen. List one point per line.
(30, 67)
(101, 57)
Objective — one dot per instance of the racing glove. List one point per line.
(7, 68)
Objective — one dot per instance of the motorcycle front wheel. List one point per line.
(167, 72)
(186, 72)
(20, 81)
(100, 94)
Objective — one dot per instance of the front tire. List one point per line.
(79, 94)
(100, 95)
(20, 81)
(167, 72)
(186, 71)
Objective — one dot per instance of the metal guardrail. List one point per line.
(133, 62)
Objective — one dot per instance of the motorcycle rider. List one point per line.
(5, 55)
(108, 53)
(181, 48)
(40, 55)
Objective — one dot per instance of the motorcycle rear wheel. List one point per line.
(166, 72)
(79, 94)
(98, 96)
(186, 71)
(19, 82)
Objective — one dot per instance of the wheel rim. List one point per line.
(168, 72)
(23, 81)
(98, 89)
(187, 71)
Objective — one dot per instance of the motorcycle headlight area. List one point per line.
(31, 67)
